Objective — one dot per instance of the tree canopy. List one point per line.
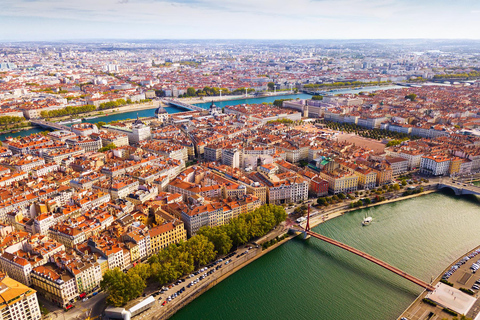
(108, 147)
(179, 259)
(411, 96)
(67, 111)
(122, 287)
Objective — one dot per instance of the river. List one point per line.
(150, 112)
(314, 280)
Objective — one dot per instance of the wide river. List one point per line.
(315, 280)
(150, 112)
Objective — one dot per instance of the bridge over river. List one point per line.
(459, 188)
(50, 125)
(307, 232)
(183, 105)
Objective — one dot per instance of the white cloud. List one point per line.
(249, 18)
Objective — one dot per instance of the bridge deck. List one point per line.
(48, 124)
(364, 255)
(184, 105)
(460, 188)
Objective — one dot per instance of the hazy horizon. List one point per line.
(57, 20)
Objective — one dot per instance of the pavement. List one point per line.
(158, 311)
(419, 310)
(93, 307)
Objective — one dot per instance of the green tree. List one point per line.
(317, 97)
(202, 250)
(279, 102)
(171, 263)
(321, 201)
(100, 124)
(279, 213)
(219, 238)
(108, 147)
(411, 96)
(121, 287)
(237, 230)
(303, 163)
(271, 86)
(301, 210)
(191, 92)
(143, 270)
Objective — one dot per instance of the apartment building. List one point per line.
(399, 165)
(367, 178)
(231, 157)
(435, 165)
(340, 181)
(56, 285)
(167, 233)
(142, 240)
(17, 301)
(285, 187)
(19, 267)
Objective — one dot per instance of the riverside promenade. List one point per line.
(159, 312)
(463, 277)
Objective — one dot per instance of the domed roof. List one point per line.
(137, 121)
(160, 110)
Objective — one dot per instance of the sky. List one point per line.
(30, 20)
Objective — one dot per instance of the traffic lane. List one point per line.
(215, 275)
(82, 309)
(98, 305)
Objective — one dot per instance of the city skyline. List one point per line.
(45, 20)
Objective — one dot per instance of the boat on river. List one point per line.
(366, 221)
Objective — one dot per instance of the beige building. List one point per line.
(167, 233)
(367, 178)
(17, 301)
(57, 285)
(287, 187)
(340, 181)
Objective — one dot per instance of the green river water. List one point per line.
(314, 280)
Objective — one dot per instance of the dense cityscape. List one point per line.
(241, 147)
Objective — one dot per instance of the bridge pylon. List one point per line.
(307, 226)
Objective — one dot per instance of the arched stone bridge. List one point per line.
(460, 188)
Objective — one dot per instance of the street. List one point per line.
(158, 311)
(93, 307)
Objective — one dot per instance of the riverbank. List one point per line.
(174, 306)
(212, 283)
(418, 306)
(16, 130)
(327, 215)
(332, 89)
(101, 113)
(195, 100)
(420, 236)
